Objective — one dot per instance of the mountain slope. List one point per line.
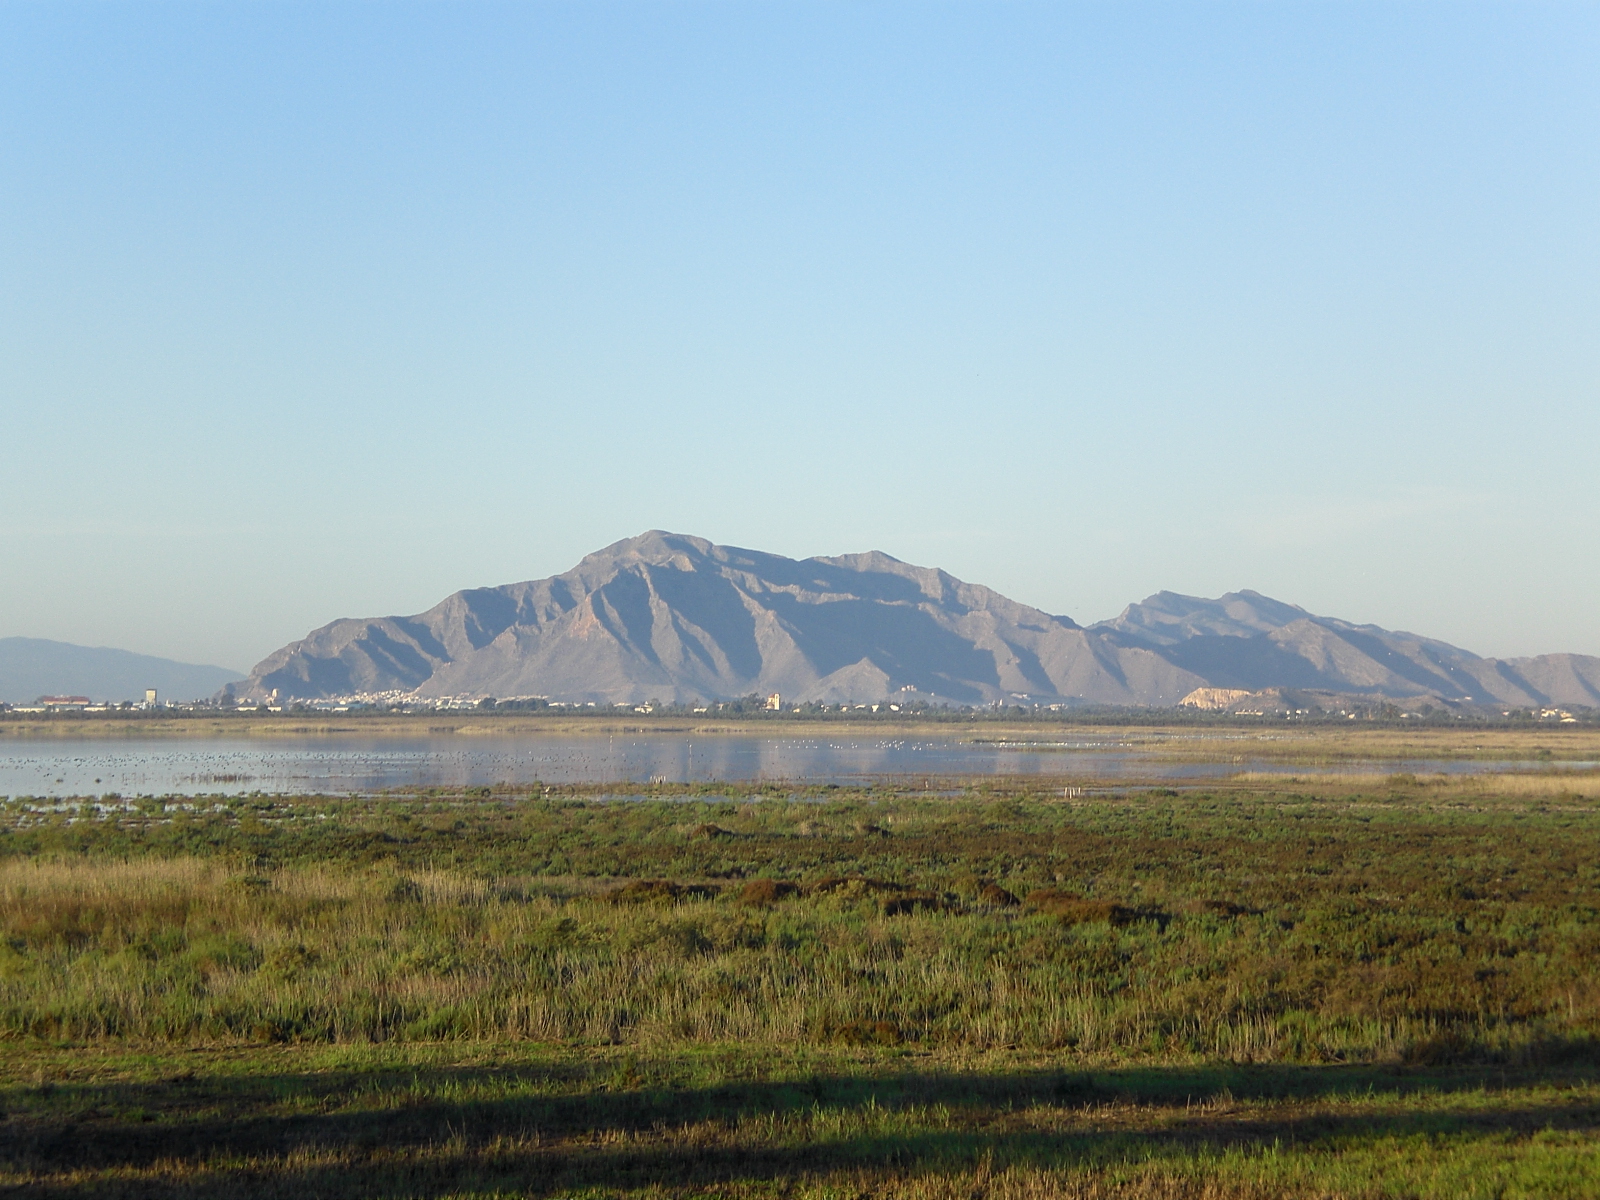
(677, 618)
(1246, 640)
(34, 667)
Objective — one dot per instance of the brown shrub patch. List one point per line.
(1050, 899)
(993, 893)
(760, 893)
(1072, 909)
(646, 891)
(901, 903)
(708, 831)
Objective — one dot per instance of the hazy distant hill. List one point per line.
(1246, 640)
(34, 667)
(678, 618)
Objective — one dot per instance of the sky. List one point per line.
(326, 310)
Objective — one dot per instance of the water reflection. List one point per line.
(346, 764)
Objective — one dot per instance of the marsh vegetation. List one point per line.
(1354, 985)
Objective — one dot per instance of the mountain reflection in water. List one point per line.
(357, 765)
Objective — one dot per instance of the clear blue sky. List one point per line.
(324, 310)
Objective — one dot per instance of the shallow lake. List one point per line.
(359, 765)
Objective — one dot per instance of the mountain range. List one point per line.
(34, 667)
(675, 618)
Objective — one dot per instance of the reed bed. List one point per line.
(185, 949)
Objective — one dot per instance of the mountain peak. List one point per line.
(1167, 618)
(675, 617)
(655, 546)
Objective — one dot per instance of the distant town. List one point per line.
(83, 704)
(1203, 703)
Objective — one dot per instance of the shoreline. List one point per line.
(1311, 744)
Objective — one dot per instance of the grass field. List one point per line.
(1338, 985)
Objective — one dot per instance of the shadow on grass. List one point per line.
(382, 1133)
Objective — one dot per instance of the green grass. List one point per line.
(743, 1121)
(1336, 987)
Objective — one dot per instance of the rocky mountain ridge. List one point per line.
(676, 618)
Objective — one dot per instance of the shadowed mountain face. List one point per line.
(676, 618)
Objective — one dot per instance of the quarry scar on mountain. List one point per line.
(677, 618)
